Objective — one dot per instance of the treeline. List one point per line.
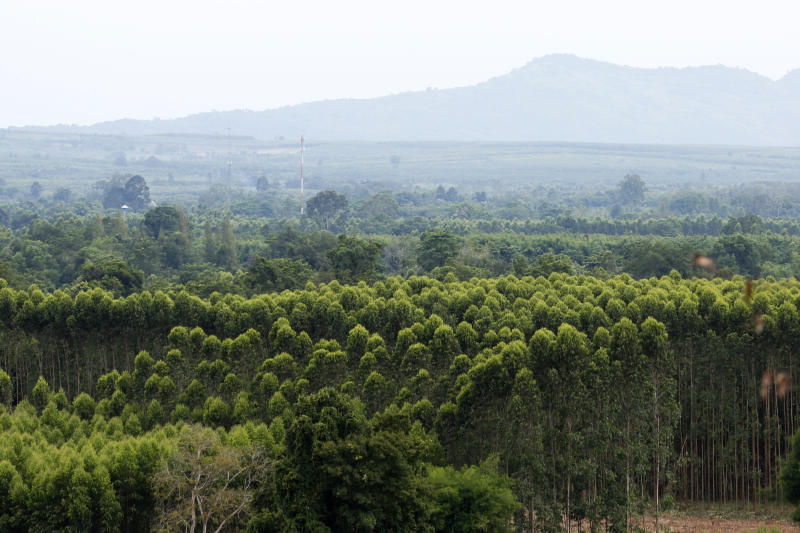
(207, 251)
(599, 397)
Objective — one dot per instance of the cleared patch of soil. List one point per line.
(719, 524)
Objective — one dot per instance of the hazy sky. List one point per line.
(82, 61)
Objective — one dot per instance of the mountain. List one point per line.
(553, 98)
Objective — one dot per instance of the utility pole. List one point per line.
(230, 164)
(302, 178)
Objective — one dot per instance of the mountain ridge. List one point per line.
(558, 97)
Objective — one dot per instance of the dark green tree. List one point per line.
(327, 207)
(355, 259)
(36, 189)
(268, 275)
(631, 189)
(436, 247)
(161, 220)
(343, 473)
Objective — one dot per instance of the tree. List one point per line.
(262, 184)
(36, 189)
(40, 394)
(62, 194)
(227, 254)
(176, 249)
(132, 192)
(436, 247)
(113, 275)
(740, 250)
(209, 243)
(277, 274)
(474, 498)
(664, 409)
(790, 475)
(327, 207)
(344, 473)
(84, 406)
(631, 368)
(137, 193)
(161, 220)
(379, 206)
(5, 389)
(206, 485)
(355, 259)
(631, 189)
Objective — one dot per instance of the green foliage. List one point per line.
(132, 192)
(631, 189)
(474, 498)
(342, 473)
(40, 394)
(435, 248)
(355, 259)
(83, 406)
(328, 208)
(5, 389)
(216, 412)
(114, 276)
(571, 381)
(161, 221)
(267, 275)
(74, 475)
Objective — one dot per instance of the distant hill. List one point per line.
(553, 98)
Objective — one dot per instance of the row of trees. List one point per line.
(168, 245)
(597, 396)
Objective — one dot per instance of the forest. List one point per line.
(440, 358)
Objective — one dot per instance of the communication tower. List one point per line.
(302, 178)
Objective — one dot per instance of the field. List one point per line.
(725, 519)
(180, 167)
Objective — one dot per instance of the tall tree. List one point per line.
(631, 189)
(355, 259)
(207, 485)
(436, 247)
(632, 376)
(228, 256)
(161, 220)
(326, 207)
(663, 406)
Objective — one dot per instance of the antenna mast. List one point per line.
(302, 180)
(230, 164)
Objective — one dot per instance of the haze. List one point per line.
(90, 61)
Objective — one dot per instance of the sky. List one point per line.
(87, 61)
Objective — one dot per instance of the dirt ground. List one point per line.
(677, 523)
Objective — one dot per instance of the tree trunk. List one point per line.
(627, 471)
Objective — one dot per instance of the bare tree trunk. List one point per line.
(657, 448)
(568, 517)
(194, 514)
(628, 472)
